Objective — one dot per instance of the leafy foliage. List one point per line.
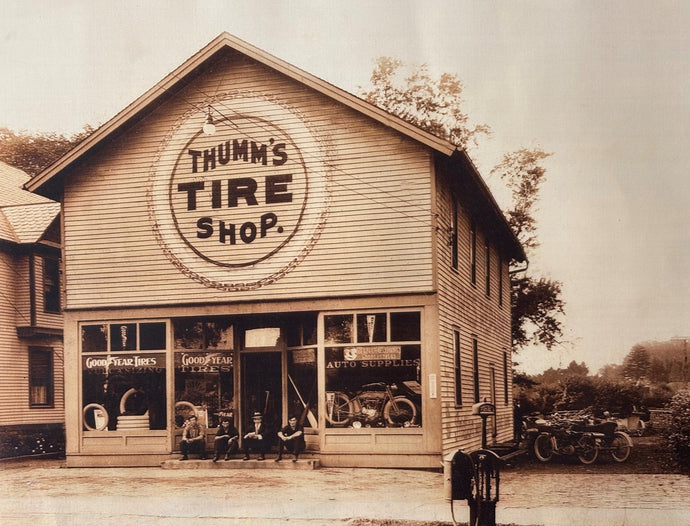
(536, 304)
(637, 363)
(434, 105)
(678, 435)
(33, 153)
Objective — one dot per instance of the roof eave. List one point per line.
(517, 252)
(41, 183)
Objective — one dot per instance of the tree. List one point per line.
(536, 302)
(435, 105)
(33, 153)
(637, 363)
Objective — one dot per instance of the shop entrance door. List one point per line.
(262, 388)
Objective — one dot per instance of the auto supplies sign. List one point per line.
(241, 207)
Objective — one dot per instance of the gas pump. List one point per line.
(475, 477)
(484, 410)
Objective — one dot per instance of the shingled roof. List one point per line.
(24, 217)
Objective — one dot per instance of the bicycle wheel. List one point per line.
(404, 416)
(544, 447)
(588, 450)
(620, 446)
(338, 409)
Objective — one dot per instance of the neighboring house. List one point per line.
(31, 350)
(306, 253)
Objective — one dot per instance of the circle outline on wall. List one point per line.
(269, 270)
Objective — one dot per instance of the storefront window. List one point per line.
(302, 371)
(375, 380)
(204, 383)
(123, 376)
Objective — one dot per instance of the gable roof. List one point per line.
(11, 192)
(48, 183)
(24, 217)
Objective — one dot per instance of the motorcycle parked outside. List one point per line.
(577, 434)
(615, 442)
(560, 437)
(374, 405)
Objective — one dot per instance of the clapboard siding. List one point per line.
(465, 307)
(376, 239)
(14, 352)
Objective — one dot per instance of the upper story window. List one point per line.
(500, 281)
(51, 284)
(454, 235)
(41, 377)
(487, 258)
(473, 253)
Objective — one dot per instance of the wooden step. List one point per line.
(238, 463)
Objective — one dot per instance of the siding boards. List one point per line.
(465, 307)
(379, 213)
(14, 353)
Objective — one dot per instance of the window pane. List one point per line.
(373, 386)
(219, 334)
(40, 377)
(264, 337)
(371, 327)
(124, 392)
(338, 328)
(151, 336)
(205, 381)
(302, 386)
(94, 338)
(123, 336)
(51, 285)
(405, 327)
(188, 334)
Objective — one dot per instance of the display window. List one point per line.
(302, 370)
(373, 369)
(123, 376)
(204, 370)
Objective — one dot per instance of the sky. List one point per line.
(601, 85)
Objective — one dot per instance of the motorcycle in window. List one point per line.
(374, 405)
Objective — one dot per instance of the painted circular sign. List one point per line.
(241, 207)
(238, 196)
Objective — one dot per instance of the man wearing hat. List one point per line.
(256, 439)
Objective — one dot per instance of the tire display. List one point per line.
(100, 417)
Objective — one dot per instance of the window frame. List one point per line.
(458, 368)
(475, 365)
(47, 381)
(453, 241)
(487, 259)
(473, 253)
(52, 302)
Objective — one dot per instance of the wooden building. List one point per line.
(246, 236)
(31, 366)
